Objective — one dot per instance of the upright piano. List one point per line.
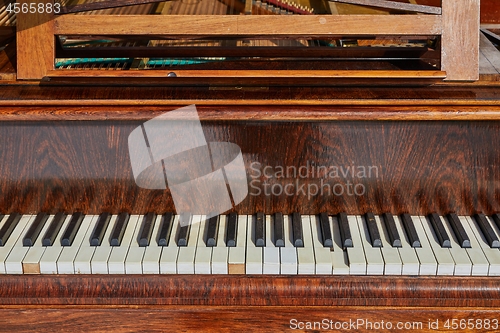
(367, 133)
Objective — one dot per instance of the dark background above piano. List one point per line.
(423, 167)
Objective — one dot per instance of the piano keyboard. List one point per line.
(250, 244)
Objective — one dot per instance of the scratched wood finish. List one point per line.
(460, 40)
(262, 26)
(35, 43)
(422, 167)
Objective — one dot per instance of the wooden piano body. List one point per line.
(64, 148)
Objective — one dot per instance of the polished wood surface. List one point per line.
(251, 303)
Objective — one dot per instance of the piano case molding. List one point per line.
(155, 303)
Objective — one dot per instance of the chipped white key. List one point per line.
(271, 263)
(220, 253)
(392, 260)
(408, 255)
(86, 252)
(480, 263)
(31, 262)
(236, 257)
(339, 256)
(151, 259)
(168, 259)
(374, 260)
(185, 258)
(321, 254)
(463, 265)
(15, 240)
(203, 257)
(356, 253)
(116, 261)
(446, 265)
(65, 262)
(493, 255)
(253, 264)
(288, 253)
(305, 255)
(48, 262)
(135, 254)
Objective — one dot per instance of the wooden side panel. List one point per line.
(35, 43)
(460, 40)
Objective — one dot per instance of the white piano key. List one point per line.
(236, 257)
(116, 261)
(203, 257)
(48, 262)
(86, 252)
(253, 264)
(446, 265)
(374, 260)
(152, 254)
(288, 253)
(480, 263)
(408, 255)
(356, 253)
(135, 254)
(31, 262)
(13, 263)
(463, 265)
(493, 255)
(168, 259)
(99, 261)
(185, 258)
(15, 239)
(305, 255)
(220, 253)
(271, 263)
(65, 262)
(339, 256)
(428, 262)
(321, 254)
(392, 260)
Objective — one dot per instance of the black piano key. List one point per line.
(100, 229)
(496, 219)
(458, 229)
(260, 230)
(8, 227)
(298, 238)
(185, 226)
(167, 220)
(411, 232)
(279, 230)
(392, 230)
(212, 231)
(119, 229)
(34, 229)
(437, 225)
(373, 230)
(345, 231)
(487, 230)
(326, 232)
(72, 229)
(54, 228)
(146, 230)
(231, 227)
